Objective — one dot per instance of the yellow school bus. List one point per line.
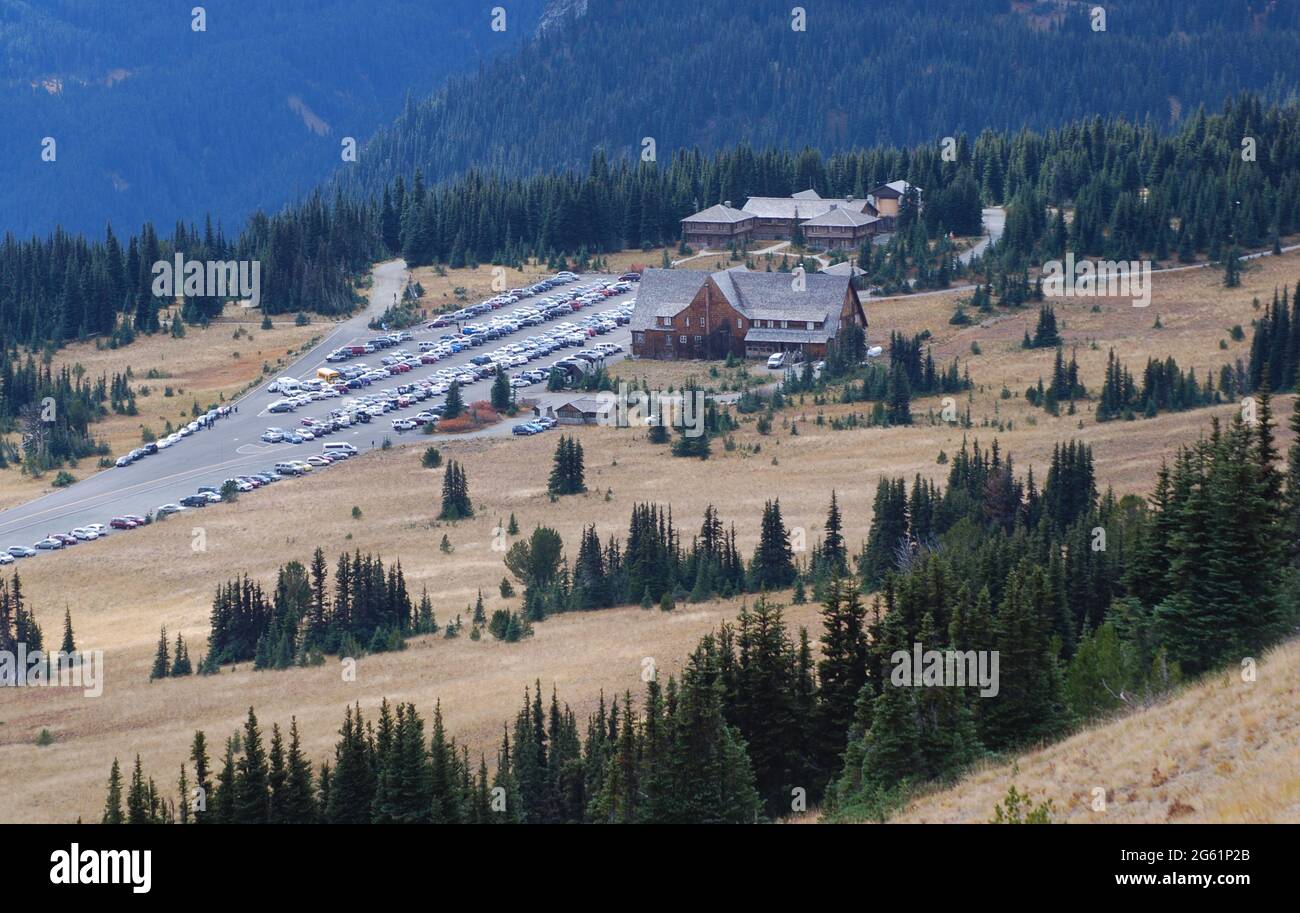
(329, 375)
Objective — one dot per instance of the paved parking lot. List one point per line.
(232, 446)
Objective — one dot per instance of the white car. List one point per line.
(85, 534)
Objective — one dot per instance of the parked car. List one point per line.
(166, 510)
(49, 543)
(21, 551)
(194, 501)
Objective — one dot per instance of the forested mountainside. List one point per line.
(712, 73)
(156, 121)
(65, 287)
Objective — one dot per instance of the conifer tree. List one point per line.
(833, 557)
(161, 662)
(277, 780)
(113, 804)
(69, 645)
(252, 784)
(842, 669)
(455, 494)
(502, 395)
(181, 659)
(454, 404)
(202, 785)
(138, 806)
(773, 564)
(300, 802)
(183, 794)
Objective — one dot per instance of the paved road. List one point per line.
(233, 446)
(995, 220)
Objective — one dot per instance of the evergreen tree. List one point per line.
(113, 804)
(161, 662)
(773, 564)
(454, 404)
(502, 395)
(455, 494)
(252, 783)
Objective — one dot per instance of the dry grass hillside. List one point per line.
(1224, 750)
(122, 590)
(169, 376)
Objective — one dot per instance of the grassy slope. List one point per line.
(121, 590)
(1223, 750)
(207, 364)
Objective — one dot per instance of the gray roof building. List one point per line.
(719, 213)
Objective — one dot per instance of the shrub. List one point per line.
(1021, 810)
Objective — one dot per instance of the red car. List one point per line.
(122, 523)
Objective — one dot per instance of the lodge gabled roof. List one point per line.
(818, 298)
(719, 213)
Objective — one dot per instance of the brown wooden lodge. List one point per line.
(841, 224)
(691, 314)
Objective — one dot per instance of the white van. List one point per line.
(340, 447)
(288, 384)
(776, 360)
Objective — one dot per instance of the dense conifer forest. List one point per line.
(1130, 184)
(711, 74)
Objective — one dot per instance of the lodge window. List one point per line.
(688, 321)
(740, 324)
(785, 324)
(810, 324)
(683, 339)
